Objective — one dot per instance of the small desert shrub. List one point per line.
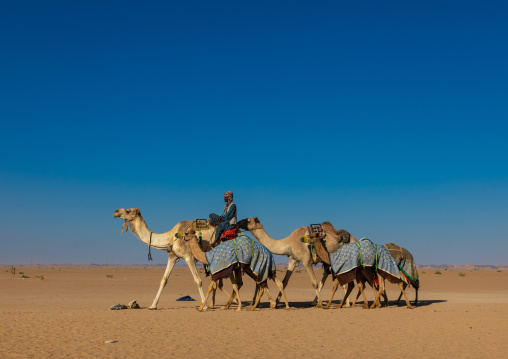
(462, 274)
(25, 276)
(109, 275)
(41, 277)
(499, 271)
(437, 272)
(21, 272)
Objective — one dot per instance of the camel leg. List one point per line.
(313, 280)
(192, 266)
(381, 290)
(360, 282)
(334, 289)
(385, 298)
(401, 286)
(321, 284)
(210, 289)
(359, 293)
(416, 298)
(281, 288)
(365, 301)
(291, 266)
(350, 287)
(272, 302)
(172, 260)
(220, 285)
(213, 294)
(231, 297)
(256, 291)
(368, 276)
(235, 288)
(400, 295)
(261, 291)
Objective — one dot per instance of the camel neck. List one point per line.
(155, 240)
(276, 246)
(322, 252)
(197, 251)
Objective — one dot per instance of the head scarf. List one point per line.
(229, 196)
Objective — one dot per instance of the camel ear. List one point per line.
(135, 210)
(256, 220)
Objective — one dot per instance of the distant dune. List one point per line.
(463, 266)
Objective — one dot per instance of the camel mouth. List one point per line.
(116, 214)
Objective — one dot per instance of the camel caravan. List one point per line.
(222, 246)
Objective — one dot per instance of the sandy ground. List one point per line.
(66, 315)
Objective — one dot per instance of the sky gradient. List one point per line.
(388, 119)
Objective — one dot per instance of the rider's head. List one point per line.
(228, 197)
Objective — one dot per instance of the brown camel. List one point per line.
(200, 256)
(408, 271)
(362, 274)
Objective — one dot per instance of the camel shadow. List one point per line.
(359, 304)
(401, 304)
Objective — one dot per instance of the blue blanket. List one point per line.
(242, 250)
(363, 253)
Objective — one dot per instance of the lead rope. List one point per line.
(150, 247)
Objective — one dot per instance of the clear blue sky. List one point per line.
(387, 118)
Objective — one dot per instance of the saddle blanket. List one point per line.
(242, 250)
(350, 256)
(405, 262)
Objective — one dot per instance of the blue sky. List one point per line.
(388, 119)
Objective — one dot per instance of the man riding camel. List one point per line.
(228, 218)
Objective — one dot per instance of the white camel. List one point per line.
(167, 242)
(297, 251)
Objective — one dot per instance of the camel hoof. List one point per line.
(238, 310)
(273, 305)
(319, 305)
(152, 308)
(287, 308)
(250, 309)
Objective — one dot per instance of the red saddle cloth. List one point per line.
(229, 234)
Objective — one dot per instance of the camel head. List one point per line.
(341, 236)
(250, 224)
(127, 214)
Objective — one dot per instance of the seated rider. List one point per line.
(228, 218)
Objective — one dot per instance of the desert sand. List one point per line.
(67, 315)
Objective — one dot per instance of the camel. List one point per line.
(166, 242)
(408, 271)
(366, 274)
(200, 256)
(292, 247)
(361, 275)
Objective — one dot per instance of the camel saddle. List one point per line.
(201, 224)
(229, 234)
(316, 228)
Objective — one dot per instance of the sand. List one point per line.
(67, 315)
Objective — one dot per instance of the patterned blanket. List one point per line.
(405, 262)
(242, 250)
(364, 253)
